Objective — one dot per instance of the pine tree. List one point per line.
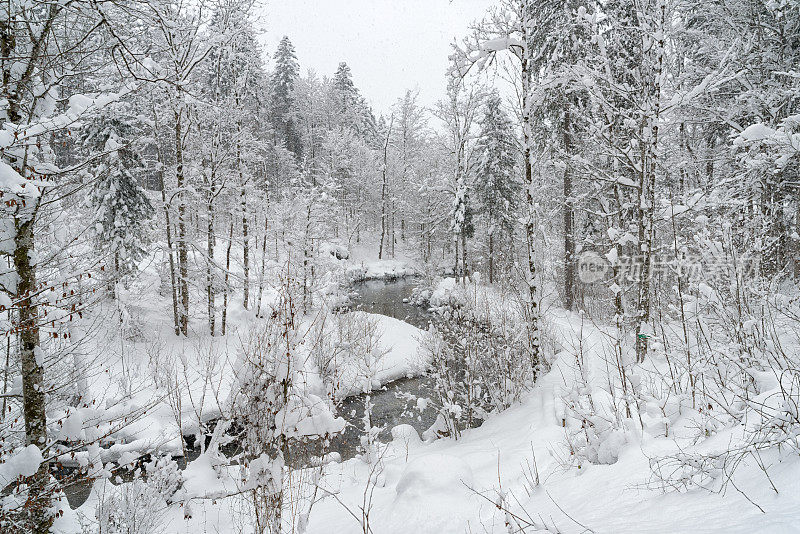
(283, 82)
(496, 187)
(117, 197)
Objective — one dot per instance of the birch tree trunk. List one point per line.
(183, 257)
(647, 185)
(530, 224)
(569, 215)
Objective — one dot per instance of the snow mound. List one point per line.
(23, 464)
(433, 474)
(405, 435)
(446, 293)
(335, 250)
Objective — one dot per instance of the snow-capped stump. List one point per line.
(335, 250)
(434, 474)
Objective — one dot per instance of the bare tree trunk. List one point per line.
(210, 259)
(429, 238)
(227, 277)
(383, 211)
(245, 251)
(796, 244)
(619, 304)
(263, 263)
(6, 370)
(33, 387)
(183, 257)
(394, 238)
(491, 257)
(306, 257)
(455, 257)
(464, 272)
(168, 224)
(569, 216)
(384, 186)
(245, 229)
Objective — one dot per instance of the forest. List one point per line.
(236, 297)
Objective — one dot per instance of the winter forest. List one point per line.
(239, 297)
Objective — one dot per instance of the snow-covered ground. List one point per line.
(452, 486)
(361, 264)
(520, 466)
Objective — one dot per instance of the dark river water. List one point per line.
(392, 405)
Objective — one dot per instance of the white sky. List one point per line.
(390, 45)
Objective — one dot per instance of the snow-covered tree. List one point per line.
(117, 197)
(350, 107)
(459, 114)
(282, 95)
(496, 184)
(508, 29)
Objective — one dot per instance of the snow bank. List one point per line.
(397, 355)
(308, 417)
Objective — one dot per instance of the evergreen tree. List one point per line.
(117, 197)
(283, 83)
(351, 108)
(345, 92)
(496, 187)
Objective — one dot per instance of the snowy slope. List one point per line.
(429, 487)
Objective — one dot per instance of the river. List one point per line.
(395, 403)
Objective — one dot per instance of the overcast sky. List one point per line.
(390, 45)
